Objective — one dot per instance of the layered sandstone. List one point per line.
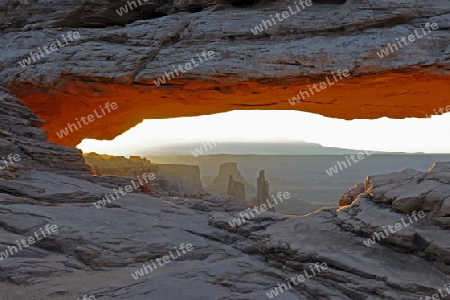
(21, 135)
(96, 250)
(114, 62)
(408, 191)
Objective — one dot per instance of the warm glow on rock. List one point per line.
(394, 95)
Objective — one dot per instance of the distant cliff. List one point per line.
(119, 165)
(186, 178)
(181, 179)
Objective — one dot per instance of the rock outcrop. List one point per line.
(95, 251)
(388, 198)
(220, 183)
(236, 189)
(21, 135)
(262, 193)
(408, 191)
(119, 63)
(348, 197)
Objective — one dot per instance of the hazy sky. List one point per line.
(430, 135)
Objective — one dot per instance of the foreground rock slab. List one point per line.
(96, 251)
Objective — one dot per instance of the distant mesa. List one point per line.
(103, 164)
(170, 179)
(221, 182)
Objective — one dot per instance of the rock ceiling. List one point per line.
(118, 58)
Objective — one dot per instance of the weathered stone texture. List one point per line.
(95, 250)
(262, 71)
(236, 189)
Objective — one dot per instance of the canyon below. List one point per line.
(303, 176)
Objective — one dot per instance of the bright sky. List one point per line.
(429, 135)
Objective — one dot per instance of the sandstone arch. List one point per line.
(263, 71)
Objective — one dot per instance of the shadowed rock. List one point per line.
(262, 194)
(236, 189)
